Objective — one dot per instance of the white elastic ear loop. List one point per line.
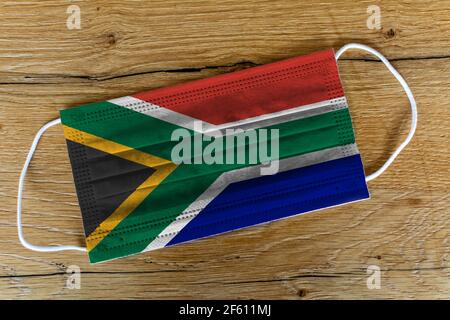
(408, 92)
(19, 198)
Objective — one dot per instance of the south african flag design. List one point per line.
(134, 198)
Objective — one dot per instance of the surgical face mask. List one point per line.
(176, 164)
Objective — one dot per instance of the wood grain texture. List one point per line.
(129, 46)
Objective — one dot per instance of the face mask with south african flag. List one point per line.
(176, 164)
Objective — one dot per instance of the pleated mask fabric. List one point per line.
(136, 196)
(133, 198)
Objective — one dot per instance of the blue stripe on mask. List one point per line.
(288, 193)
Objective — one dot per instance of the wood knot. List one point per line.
(301, 293)
(61, 266)
(391, 33)
(414, 201)
(111, 38)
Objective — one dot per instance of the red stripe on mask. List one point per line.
(255, 91)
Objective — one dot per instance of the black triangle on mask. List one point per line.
(103, 181)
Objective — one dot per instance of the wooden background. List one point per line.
(129, 46)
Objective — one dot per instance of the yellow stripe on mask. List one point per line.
(114, 148)
(163, 168)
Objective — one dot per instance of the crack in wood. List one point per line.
(285, 278)
(243, 64)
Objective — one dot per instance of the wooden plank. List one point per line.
(403, 228)
(128, 37)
